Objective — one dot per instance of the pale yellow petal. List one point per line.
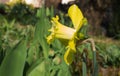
(62, 31)
(76, 16)
(69, 56)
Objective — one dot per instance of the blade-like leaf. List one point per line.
(41, 31)
(13, 63)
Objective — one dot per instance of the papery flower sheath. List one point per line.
(61, 31)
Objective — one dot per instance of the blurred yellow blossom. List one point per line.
(61, 31)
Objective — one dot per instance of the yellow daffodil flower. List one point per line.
(61, 31)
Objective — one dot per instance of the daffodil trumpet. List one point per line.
(61, 31)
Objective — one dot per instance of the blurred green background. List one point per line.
(23, 46)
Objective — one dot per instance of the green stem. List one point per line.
(84, 67)
(95, 65)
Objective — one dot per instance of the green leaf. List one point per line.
(54, 72)
(56, 45)
(83, 31)
(40, 68)
(13, 63)
(64, 69)
(64, 72)
(47, 11)
(41, 31)
(33, 53)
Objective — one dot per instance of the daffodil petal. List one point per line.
(76, 16)
(62, 31)
(69, 56)
(50, 38)
(72, 45)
